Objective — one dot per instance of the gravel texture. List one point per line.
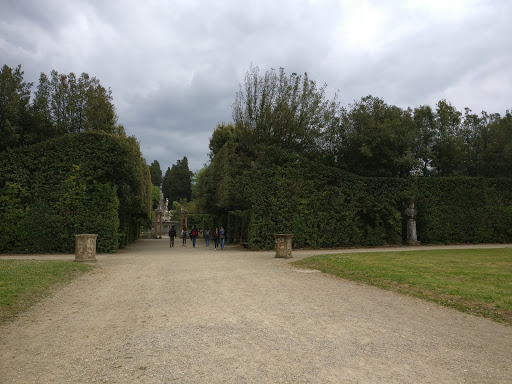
(152, 314)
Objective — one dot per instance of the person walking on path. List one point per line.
(222, 237)
(172, 235)
(216, 238)
(207, 237)
(184, 234)
(193, 236)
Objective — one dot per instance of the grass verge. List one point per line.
(476, 281)
(25, 282)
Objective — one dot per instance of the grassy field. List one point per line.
(25, 282)
(476, 281)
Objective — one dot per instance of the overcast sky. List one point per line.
(175, 66)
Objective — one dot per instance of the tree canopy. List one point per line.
(156, 174)
(291, 148)
(61, 104)
(177, 182)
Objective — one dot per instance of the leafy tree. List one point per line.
(221, 135)
(42, 113)
(283, 111)
(471, 131)
(424, 119)
(156, 173)
(447, 146)
(72, 104)
(155, 196)
(98, 109)
(177, 182)
(497, 146)
(14, 102)
(379, 139)
(166, 186)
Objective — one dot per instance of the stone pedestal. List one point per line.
(412, 236)
(85, 248)
(158, 223)
(283, 245)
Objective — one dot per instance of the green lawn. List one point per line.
(24, 282)
(477, 281)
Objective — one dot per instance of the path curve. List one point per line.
(151, 314)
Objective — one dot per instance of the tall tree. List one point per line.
(156, 173)
(497, 146)
(471, 132)
(447, 147)
(177, 182)
(14, 102)
(379, 139)
(424, 119)
(76, 104)
(221, 135)
(166, 186)
(287, 112)
(43, 119)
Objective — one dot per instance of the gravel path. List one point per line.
(151, 314)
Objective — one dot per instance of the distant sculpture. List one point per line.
(412, 236)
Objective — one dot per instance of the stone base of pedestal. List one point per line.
(283, 245)
(412, 237)
(85, 248)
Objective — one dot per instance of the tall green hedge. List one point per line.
(78, 183)
(464, 210)
(330, 208)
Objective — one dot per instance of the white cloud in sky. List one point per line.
(174, 66)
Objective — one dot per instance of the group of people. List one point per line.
(218, 236)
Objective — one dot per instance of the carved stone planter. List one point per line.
(283, 245)
(85, 248)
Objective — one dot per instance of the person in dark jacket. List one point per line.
(172, 236)
(184, 234)
(216, 236)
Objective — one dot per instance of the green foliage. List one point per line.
(296, 162)
(464, 210)
(14, 102)
(282, 111)
(155, 196)
(14, 211)
(378, 139)
(62, 104)
(156, 173)
(177, 182)
(79, 183)
(221, 135)
(324, 213)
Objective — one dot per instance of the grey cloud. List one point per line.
(174, 67)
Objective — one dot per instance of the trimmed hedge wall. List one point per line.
(78, 183)
(464, 210)
(339, 209)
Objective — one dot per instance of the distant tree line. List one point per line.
(175, 185)
(61, 104)
(287, 138)
(177, 182)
